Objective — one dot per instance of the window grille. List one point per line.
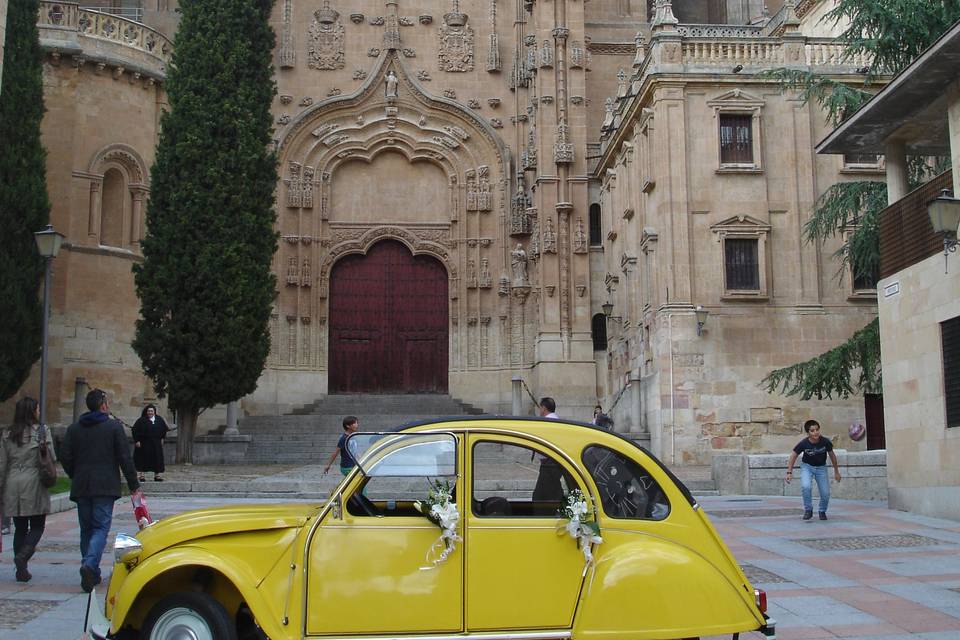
(736, 139)
(742, 264)
(950, 343)
(596, 228)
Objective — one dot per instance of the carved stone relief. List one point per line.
(485, 280)
(295, 185)
(288, 52)
(307, 188)
(549, 237)
(483, 188)
(563, 148)
(493, 52)
(293, 273)
(471, 274)
(546, 55)
(325, 50)
(305, 280)
(456, 42)
(579, 238)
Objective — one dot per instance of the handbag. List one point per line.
(45, 461)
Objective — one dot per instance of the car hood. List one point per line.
(202, 523)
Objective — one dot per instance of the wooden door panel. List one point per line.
(388, 322)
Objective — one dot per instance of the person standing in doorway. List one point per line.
(94, 451)
(347, 461)
(148, 433)
(24, 496)
(814, 450)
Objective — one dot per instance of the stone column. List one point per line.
(896, 161)
(93, 216)
(636, 410)
(953, 119)
(233, 409)
(517, 388)
(136, 224)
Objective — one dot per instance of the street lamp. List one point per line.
(701, 318)
(944, 213)
(48, 244)
(607, 308)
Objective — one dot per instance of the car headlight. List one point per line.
(126, 548)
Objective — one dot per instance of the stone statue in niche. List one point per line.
(456, 41)
(305, 273)
(471, 274)
(549, 237)
(293, 275)
(579, 238)
(518, 262)
(391, 84)
(325, 51)
(485, 277)
(483, 188)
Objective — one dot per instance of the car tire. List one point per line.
(188, 615)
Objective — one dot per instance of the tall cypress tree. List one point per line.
(892, 33)
(24, 205)
(205, 285)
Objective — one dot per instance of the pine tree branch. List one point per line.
(831, 373)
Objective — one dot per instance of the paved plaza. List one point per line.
(867, 573)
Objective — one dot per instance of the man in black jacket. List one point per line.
(92, 451)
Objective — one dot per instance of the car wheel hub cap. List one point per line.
(181, 624)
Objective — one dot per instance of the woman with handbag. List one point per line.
(25, 497)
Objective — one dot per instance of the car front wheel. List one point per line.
(188, 616)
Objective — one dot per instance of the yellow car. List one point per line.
(486, 528)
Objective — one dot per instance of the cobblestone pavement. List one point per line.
(866, 574)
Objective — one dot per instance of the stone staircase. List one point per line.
(309, 434)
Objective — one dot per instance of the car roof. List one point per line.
(554, 421)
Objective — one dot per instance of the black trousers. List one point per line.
(27, 531)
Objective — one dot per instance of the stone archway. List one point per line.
(388, 322)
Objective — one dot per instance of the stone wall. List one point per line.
(863, 475)
(924, 462)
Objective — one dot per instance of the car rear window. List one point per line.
(626, 489)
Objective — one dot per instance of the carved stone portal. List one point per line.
(456, 42)
(325, 51)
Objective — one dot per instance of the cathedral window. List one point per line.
(744, 257)
(113, 206)
(738, 132)
(596, 226)
(736, 139)
(598, 330)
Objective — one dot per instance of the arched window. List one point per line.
(598, 330)
(596, 231)
(113, 207)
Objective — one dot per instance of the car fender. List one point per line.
(651, 587)
(241, 574)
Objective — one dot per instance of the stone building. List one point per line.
(450, 218)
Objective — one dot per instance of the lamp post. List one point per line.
(48, 244)
(944, 213)
(701, 318)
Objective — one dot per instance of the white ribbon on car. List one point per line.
(447, 517)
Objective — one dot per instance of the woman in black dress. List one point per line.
(148, 433)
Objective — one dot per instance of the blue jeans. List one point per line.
(809, 473)
(96, 516)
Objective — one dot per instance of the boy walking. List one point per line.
(347, 462)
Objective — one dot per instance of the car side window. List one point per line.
(626, 489)
(511, 480)
(392, 496)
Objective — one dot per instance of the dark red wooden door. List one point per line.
(388, 322)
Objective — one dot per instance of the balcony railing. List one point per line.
(95, 23)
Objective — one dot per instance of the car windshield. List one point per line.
(405, 455)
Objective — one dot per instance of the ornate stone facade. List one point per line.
(389, 128)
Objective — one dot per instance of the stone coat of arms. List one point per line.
(325, 50)
(456, 43)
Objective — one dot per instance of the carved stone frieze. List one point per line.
(325, 50)
(456, 42)
(288, 51)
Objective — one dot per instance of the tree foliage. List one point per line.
(205, 285)
(24, 204)
(892, 33)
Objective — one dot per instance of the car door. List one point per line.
(521, 572)
(371, 567)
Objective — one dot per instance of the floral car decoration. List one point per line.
(507, 493)
(580, 524)
(440, 509)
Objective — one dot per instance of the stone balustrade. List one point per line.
(729, 52)
(104, 38)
